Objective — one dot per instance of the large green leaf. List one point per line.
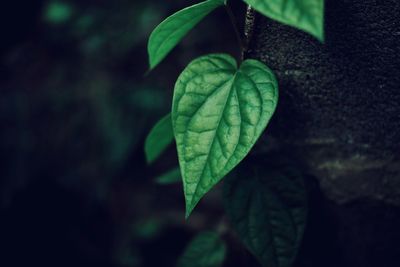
(205, 250)
(171, 31)
(307, 15)
(218, 114)
(268, 210)
(160, 136)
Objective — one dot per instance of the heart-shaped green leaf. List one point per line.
(160, 136)
(205, 250)
(218, 114)
(306, 15)
(268, 210)
(171, 31)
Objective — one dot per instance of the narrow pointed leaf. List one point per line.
(171, 31)
(205, 250)
(268, 210)
(306, 15)
(218, 114)
(160, 136)
(171, 177)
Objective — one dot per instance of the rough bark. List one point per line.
(340, 101)
(339, 118)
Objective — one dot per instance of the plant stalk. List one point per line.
(248, 29)
(236, 29)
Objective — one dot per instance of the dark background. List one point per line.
(75, 108)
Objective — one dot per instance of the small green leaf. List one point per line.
(218, 114)
(171, 177)
(268, 210)
(205, 250)
(171, 31)
(306, 15)
(160, 136)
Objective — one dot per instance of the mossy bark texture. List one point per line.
(338, 117)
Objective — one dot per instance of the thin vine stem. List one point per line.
(236, 28)
(248, 29)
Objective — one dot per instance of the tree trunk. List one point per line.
(339, 118)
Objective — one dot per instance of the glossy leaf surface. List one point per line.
(306, 15)
(171, 31)
(219, 112)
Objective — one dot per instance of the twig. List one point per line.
(248, 29)
(236, 28)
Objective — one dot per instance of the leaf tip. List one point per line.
(191, 203)
(188, 210)
(187, 214)
(153, 58)
(321, 38)
(148, 156)
(320, 35)
(152, 64)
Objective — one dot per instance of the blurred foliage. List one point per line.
(75, 109)
(158, 139)
(57, 12)
(170, 177)
(205, 250)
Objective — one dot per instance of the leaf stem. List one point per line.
(236, 28)
(248, 29)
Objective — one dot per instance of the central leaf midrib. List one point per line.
(232, 80)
